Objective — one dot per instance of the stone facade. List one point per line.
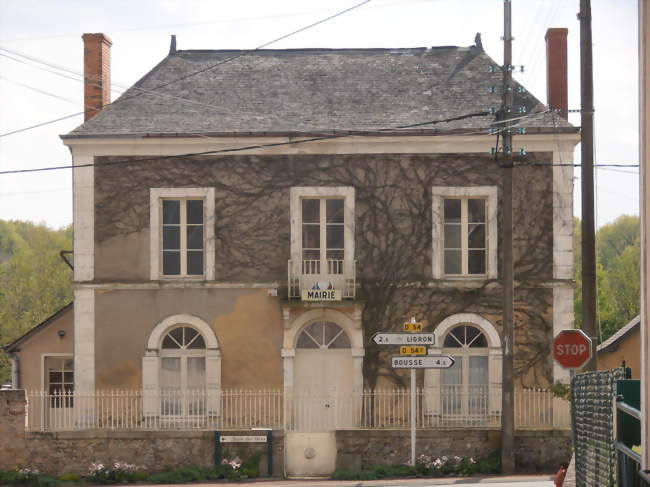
(394, 274)
(74, 451)
(535, 451)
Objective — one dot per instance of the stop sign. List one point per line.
(572, 349)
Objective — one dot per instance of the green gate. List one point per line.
(592, 414)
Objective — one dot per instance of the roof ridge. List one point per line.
(328, 49)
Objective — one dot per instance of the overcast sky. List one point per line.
(50, 31)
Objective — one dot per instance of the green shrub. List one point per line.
(179, 476)
(25, 476)
(427, 466)
(70, 477)
(489, 464)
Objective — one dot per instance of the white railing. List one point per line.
(305, 274)
(441, 408)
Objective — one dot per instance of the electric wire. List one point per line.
(194, 73)
(255, 146)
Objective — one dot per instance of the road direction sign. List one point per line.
(413, 350)
(424, 362)
(427, 338)
(572, 349)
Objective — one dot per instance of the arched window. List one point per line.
(464, 387)
(323, 335)
(182, 372)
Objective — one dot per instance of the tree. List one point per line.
(34, 281)
(617, 273)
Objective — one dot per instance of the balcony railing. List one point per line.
(319, 274)
(297, 411)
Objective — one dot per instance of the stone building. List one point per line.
(249, 219)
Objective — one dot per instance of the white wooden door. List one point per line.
(322, 388)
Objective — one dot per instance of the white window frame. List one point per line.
(156, 196)
(154, 352)
(439, 194)
(320, 192)
(44, 380)
(433, 377)
(463, 354)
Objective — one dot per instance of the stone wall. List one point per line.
(73, 451)
(535, 451)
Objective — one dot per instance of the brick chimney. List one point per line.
(557, 92)
(97, 73)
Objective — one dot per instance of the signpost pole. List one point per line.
(413, 419)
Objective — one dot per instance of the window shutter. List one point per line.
(213, 381)
(432, 388)
(150, 385)
(495, 363)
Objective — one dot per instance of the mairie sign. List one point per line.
(424, 362)
(320, 295)
(426, 338)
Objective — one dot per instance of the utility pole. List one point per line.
(589, 311)
(507, 268)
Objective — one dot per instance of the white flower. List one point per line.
(96, 468)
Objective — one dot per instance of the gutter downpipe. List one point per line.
(15, 370)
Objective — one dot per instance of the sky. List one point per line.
(50, 31)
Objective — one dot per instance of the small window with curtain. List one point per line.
(59, 381)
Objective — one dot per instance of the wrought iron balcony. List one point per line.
(338, 276)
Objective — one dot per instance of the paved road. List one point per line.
(514, 481)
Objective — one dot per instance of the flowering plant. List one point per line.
(234, 463)
(113, 474)
(444, 465)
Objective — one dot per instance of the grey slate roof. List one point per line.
(309, 91)
(623, 332)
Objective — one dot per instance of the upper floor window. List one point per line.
(182, 233)
(323, 233)
(322, 241)
(183, 245)
(464, 236)
(322, 229)
(465, 232)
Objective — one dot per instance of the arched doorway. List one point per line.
(322, 377)
(181, 369)
(182, 372)
(471, 389)
(322, 361)
(464, 388)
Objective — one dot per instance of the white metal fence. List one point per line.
(247, 409)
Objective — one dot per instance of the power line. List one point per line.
(212, 66)
(355, 133)
(210, 22)
(18, 83)
(95, 81)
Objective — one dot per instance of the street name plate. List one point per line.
(413, 350)
(243, 439)
(424, 362)
(426, 338)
